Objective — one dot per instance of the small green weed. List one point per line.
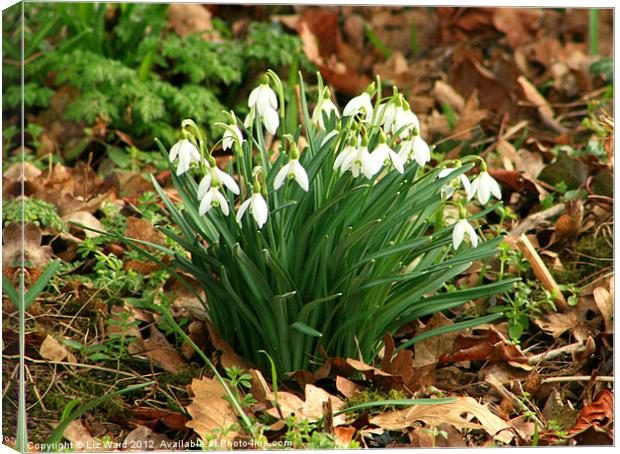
(40, 213)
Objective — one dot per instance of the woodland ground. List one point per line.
(527, 89)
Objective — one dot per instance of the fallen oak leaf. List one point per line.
(311, 408)
(489, 346)
(454, 413)
(211, 412)
(35, 255)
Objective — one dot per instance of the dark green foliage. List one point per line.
(129, 71)
(37, 211)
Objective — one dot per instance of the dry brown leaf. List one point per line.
(53, 350)
(347, 387)
(80, 437)
(210, 410)
(544, 109)
(86, 219)
(605, 304)
(229, 357)
(491, 345)
(188, 18)
(470, 117)
(22, 171)
(454, 413)
(35, 255)
(428, 351)
(142, 439)
(158, 349)
(445, 93)
(343, 436)
(519, 24)
(599, 414)
(143, 230)
(311, 408)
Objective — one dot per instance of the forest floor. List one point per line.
(520, 87)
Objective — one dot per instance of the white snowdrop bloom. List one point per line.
(325, 105)
(263, 99)
(223, 177)
(366, 162)
(462, 228)
(344, 159)
(258, 209)
(407, 119)
(483, 186)
(213, 198)
(187, 154)
(385, 154)
(449, 189)
(294, 170)
(415, 149)
(230, 137)
(355, 105)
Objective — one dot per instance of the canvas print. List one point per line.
(257, 226)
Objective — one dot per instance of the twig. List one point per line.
(536, 219)
(328, 417)
(65, 363)
(577, 378)
(552, 354)
(541, 271)
(506, 394)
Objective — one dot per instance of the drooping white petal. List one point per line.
(207, 202)
(174, 151)
(259, 209)
(270, 97)
(253, 97)
(184, 162)
(421, 151)
(458, 233)
(467, 186)
(249, 119)
(300, 175)
(469, 230)
(356, 104)
(271, 120)
(484, 192)
(242, 209)
(494, 187)
(371, 163)
(222, 201)
(281, 176)
(204, 186)
(229, 137)
(228, 181)
(397, 161)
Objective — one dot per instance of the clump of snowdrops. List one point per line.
(329, 235)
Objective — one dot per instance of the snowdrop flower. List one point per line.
(366, 162)
(213, 198)
(258, 208)
(395, 115)
(264, 101)
(187, 154)
(344, 159)
(326, 105)
(292, 170)
(355, 105)
(483, 186)
(449, 189)
(213, 178)
(385, 155)
(417, 149)
(232, 134)
(462, 228)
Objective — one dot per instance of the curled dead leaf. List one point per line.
(457, 414)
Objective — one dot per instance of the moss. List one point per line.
(583, 259)
(375, 395)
